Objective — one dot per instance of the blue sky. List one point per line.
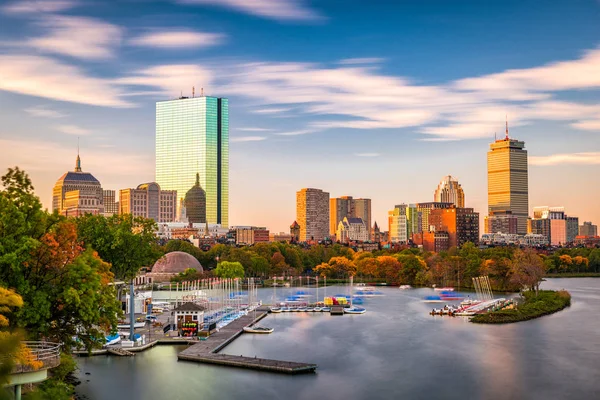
(379, 99)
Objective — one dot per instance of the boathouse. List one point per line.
(188, 318)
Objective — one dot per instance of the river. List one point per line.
(395, 350)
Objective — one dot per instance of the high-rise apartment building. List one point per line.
(508, 188)
(77, 193)
(149, 201)
(192, 136)
(413, 220)
(588, 229)
(425, 209)
(312, 214)
(347, 206)
(461, 224)
(398, 224)
(572, 228)
(501, 222)
(450, 191)
(554, 223)
(111, 205)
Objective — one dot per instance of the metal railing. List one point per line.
(46, 352)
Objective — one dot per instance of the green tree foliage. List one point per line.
(124, 241)
(228, 269)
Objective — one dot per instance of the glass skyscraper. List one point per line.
(192, 136)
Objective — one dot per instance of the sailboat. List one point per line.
(353, 309)
(275, 309)
(255, 328)
(317, 308)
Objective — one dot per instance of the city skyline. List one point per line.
(368, 100)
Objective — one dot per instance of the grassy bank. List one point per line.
(574, 275)
(546, 302)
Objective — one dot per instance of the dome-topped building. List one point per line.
(195, 203)
(77, 193)
(450, 191)
(172, 264)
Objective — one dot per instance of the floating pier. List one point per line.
(207, 351)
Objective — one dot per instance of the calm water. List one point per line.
(395, 350)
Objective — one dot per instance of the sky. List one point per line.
(377, 99)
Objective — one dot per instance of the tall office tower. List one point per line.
(77, 193)
(450, 191)
(111, 205)
(149, 201)
(425, 209)
(572, 228)
(339, 208)
(461, 224)
(508, 188)
(413, 220)
(312, 214)
(362, 210)
(588, 229)
(192, 136)
(398, 224)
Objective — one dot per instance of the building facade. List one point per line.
(249, 235)
(352, 230)
(424, 210)
(77, 193)
(413, 220)
(111, 204)
(572, 228)
(195, 203)
(501, 222)
(347, 206)
(508, 187)
(312, 214)
(588, 229)
(432, 241)
(398, 224)
(295, 231)
(555, 224)
(192, 135)
(450, 191)
(461, 224)
(148, 200)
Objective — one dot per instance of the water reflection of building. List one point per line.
(77, 193)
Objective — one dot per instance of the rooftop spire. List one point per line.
(507, 127)
(78, 161)
(197, 178)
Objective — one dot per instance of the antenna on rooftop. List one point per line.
(202, 92)
(193, 91)
(506, 127)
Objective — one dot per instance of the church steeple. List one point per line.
(78, 161)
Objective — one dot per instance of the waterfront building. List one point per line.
(295, 231)
(502, 239)
(148, 200)
(532, 239)
(77, 193)
(312, 214)
(352, 230)
(249, 235)
(432, 241)
(173, 230)
(195, 203)
(192, 135)
(111, 205)
(424, 210)
(450, 191)
(347, 206)
(588, 229)
(501, 222)
(555, 224)
(461, 224)
(508, 187)
(398, 224)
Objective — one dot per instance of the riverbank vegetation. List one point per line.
(533, 305)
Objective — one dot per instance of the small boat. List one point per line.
(310, 309)
(275, 310)
(317, 309)
(403, 287)
(302, 309)
(135, 325)
(257, 329)
(285, 309)
(433, 299)
(326, 309)
(112, 339)
(444, 289)
(354, 310)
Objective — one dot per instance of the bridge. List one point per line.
(47, 353)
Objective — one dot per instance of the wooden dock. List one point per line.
(207, 351)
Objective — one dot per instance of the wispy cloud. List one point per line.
(277, 110)
(296, 133)
(44, 112)
(591, 158)
(255, 129)
(367, 154)
(171, 79)
(588, 125)
(37, 6)
(359, 61)
(49, 78)
(178, 39)
(73, 130)
(247, 139)
(281, 10)
(78, 37)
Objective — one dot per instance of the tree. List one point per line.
(227, 269)
(527, 269)
(124, 241)
(411, 267)
(9, 341)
